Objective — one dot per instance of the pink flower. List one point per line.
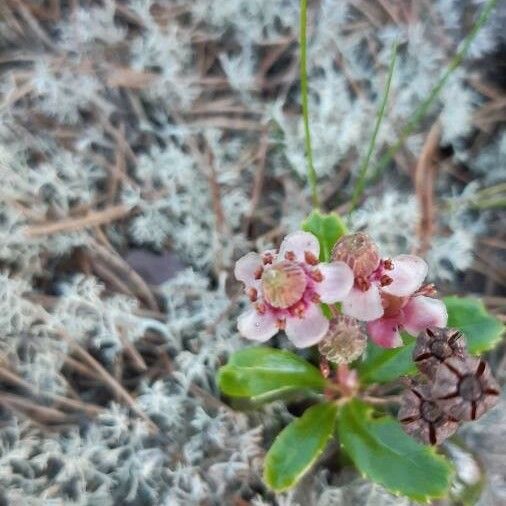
(286, 289)
(361, 254)
(406, 304)
(401, 276)
(387, 293)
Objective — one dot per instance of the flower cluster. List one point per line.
(388, 293)
(454, 387)
(287, 286)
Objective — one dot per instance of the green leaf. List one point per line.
(298, 445)
(382, 365)
(383, 452)
(328, 228)
(263, 374)
(468, 314)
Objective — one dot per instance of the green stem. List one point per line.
(311, 173)
(492, 190)
(497, 203)
(362, 173)
(423, 108)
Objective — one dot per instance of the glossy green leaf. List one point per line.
(328, 228)
(468, 314)
(382, 365)
(298, 445)
(263, 374)
(384, 453)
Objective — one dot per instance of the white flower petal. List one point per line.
(422, 312)
(246, 267)
(365, 306)
(257, 327)
(408, 274)
(337, 282)
(299, 242)
(309, 330)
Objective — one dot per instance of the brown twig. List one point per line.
(131, 351)
(126, 271)
(13, 378)
(107, 379)
(92, 219)
(424, 186)
(31, 409)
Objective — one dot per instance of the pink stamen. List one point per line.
(362, 283)
(267, 258)
(261, 308)
(428, 290)
(252, 294)
(388, 264)
(316, 275)
(298, 309)
(290, 256)
(315, 298)
(385, 280)
(310, 258)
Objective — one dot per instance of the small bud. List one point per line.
(283, 284)
(359, 252)
(344, 342)
(422, 418)
(324, 367)
(347, 379)
(435, 345)
(465, 388)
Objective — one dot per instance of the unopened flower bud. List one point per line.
(435, 345)
(344, 342)
(359, 252)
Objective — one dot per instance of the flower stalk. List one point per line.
(311, 172)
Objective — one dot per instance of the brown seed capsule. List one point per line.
(344, 342)
(465, 388)
(422, 418)
(359, 252)
(435, 345)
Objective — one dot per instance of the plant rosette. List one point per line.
(373, 324)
